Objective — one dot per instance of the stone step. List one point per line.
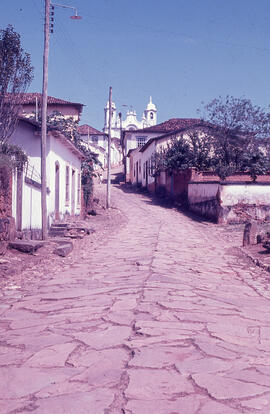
(59, 225)
(57, 232)
(26, 246)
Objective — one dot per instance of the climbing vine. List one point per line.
(69, 128)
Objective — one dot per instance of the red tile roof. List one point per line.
(87, 129)
(172, 125)
(195, 123)
(30, 98)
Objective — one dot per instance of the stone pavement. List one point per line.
(160, 317)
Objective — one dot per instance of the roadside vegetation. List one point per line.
(16, 74)
(233, 136)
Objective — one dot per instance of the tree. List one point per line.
(239, 129)
(16, 74)
(186, 150)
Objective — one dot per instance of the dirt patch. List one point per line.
(19, 269)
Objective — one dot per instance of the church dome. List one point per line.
(151, 106)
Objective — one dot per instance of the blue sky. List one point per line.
(180, 52)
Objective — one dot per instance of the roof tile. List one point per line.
(87, 129)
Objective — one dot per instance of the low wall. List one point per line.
(230, 201)
(7, 222)
(174, 185)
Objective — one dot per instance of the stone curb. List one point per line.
(256, 261)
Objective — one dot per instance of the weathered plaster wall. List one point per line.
(230, 202)
(57, 152)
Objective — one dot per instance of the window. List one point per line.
(67, 184)
(79, 189)
(141, 141)
(140, 167)
(144, 170)
(94, 138)
(151, 115)
(134, 172)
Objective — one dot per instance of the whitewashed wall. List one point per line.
(26, 137)
(60, 153)
(230, 203)
(245, 193)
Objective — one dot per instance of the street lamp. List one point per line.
(75, 16)
(44, 109)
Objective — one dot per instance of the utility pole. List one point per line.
(122, 144)
(44, 119)
(47, 28)
(108, 201)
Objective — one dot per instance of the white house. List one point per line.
(92, 135)
(63, 178)
(140, 137)
(97, 141)
(31, 102)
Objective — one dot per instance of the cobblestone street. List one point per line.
(159, 317)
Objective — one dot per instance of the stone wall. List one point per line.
(7, 222)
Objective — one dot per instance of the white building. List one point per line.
(63, 170)
(97, 142)
(131, 123)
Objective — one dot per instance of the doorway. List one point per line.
(57, 190)
(73, 193)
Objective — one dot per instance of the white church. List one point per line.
(131, 123)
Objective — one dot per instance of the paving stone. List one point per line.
(159, 311)
(156, 384)
(105, 338)
(95, 401)
(20, 405)
(19, 382)
(95, 359)
(202, 365)
(36, 342)
(223, 387)
(160, 357)
(54, 356)
(184, 405)
(257, 403)
(212, 407)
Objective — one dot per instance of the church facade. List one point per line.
(130, 123)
